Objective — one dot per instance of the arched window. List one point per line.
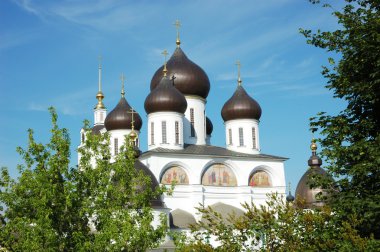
(219, 175)
(260, 179)
(192, 129)
(175, 174)
(116, 146)
(83, 138)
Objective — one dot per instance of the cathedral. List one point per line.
(179, 149)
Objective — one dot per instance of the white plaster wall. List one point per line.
(120, 135)
(99, 116)
(247, 125)
(170, 118)
(188, 197)
(199, 106)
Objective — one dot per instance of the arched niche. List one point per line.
(226, 211)
(174, 174)
(219, 175)
(181, 219)
(260, 178)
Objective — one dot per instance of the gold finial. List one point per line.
(133, 135)
(122, 78)
(177, 25)
(313, 145)
(239, 66)
(99, 95)
(165, 53)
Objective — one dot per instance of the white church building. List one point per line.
(179, 146)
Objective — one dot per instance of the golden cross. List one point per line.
(239, 66)
(289, 186)
(132, 112)
(122, 78)
(177, 25)
(165, 53)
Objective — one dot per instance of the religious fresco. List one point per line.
(260, 179)
(219, 175)
(175, 174)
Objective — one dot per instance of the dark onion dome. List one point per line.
(241, 106)
(289, 197)
(165, 97)
(154, 183)
(97, 128)
(121, 117)
(190, 78)
(209, 126)
(311, 196)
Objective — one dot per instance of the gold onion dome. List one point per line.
(165, 97)
(209, 126)
(121, 118)
(241, 106)
(190, 78)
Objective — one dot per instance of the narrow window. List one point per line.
(176, 132)
(101, 117)
(192, 133)
(152, 133)
(241, 137)
(229, 136)
(116, 146)
(83, 138)
(163, 125)
(253, 138)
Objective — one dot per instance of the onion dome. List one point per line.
(97, 128)
(241, 106)
(311, 195)
(165, 97)
(190, 78)
(290, 197)
(209, 126)
(154, 183)
(121, 117)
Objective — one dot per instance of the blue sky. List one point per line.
(49, 51)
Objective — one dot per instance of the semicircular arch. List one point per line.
(218, 174)
(261, 176)
(174, 172)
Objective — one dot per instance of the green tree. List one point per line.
(275, 226)
(350, 140)
(101, 205)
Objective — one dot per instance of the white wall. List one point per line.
(199, 105)
(170, 117)
(246, 125)
(99, 116)
(187, 197)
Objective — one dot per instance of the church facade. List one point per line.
(179, 136)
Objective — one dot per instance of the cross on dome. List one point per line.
(122, 78)
(239, 66)
(165, 53)
(177, 24)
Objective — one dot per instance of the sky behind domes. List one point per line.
(49, 57)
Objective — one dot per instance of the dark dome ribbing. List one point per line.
(165, 97)
(190, 78)
(121, 118)
(241, 106)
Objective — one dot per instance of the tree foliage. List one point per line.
(100, 205)
(350, 140)
(275, 226)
